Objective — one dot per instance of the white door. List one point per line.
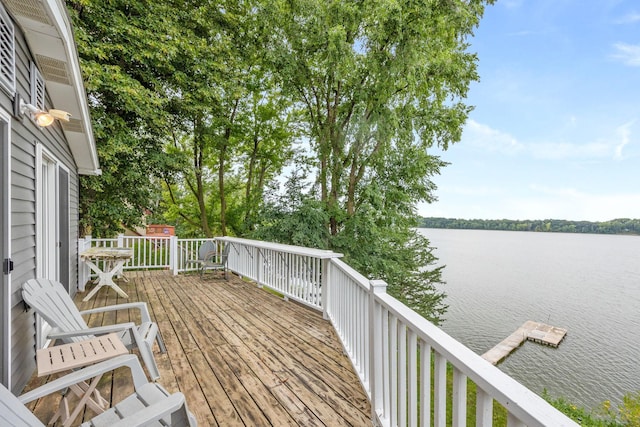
(63, 241)
(47, 224)
(47, 212)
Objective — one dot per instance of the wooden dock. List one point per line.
(530, 330)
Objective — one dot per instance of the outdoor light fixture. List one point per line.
(43, 118)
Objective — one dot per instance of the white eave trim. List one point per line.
(52, 38)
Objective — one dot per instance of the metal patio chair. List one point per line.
(210, 259)
(217, 261)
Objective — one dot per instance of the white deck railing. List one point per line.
(388, 343)
(295, 272)
(149, 253)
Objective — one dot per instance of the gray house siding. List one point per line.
(23, 236)
(25, 136)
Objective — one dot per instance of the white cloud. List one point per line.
(533, 202)
(628, 54)
(624, 132)
(555, 191)
(566, 150)
(511, 4)
(471, 190)
(629, 18)
(569, 203)
(484, 136)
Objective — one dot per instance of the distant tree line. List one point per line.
(615, 226)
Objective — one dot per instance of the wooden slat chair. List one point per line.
(150, 403)
(51, 301)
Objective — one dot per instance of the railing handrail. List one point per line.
(298, 250)
(357, 277)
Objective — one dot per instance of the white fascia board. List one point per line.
(61, 19)
(56, 41)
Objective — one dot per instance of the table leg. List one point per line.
(99, 282)
(105, 278)
(120, 274)
(117, 267)
(62, 412)
(84, 391)
(97, 404)
(83, 401)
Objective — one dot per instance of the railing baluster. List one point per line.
(412, 378)
(393, 373)
(425, 384)
(459, 398)
(484, 409)
(440, 391)
(402, 375)
(512, 421)
(377, 349)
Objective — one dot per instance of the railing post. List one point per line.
(83, 270)
(325, 283)
(173, 254)
(120, 240)
(376, 349)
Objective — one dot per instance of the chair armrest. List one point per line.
(165, 407)
(128, 360)
(211, 255)
(142, 306)
(99, 330)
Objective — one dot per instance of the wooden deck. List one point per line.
(241, 355)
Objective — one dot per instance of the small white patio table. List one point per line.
(75, 355)
(114, 259)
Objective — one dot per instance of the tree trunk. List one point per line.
(252, 164)
(223, 154)
(223, 199)
(198, 146)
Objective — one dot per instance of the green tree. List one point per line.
(293, 216)
(127, 50)
(380, 84)
(237, 137)
(179, 97)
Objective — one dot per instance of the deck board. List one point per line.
(242, 356)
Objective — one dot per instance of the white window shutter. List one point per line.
(7, 53)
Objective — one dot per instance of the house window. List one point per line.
(7, 53)
(37, 87)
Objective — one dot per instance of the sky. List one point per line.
(555, 133)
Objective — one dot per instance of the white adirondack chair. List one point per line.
(150, 403)
(50, 300)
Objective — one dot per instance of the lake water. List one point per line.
(588, 284)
